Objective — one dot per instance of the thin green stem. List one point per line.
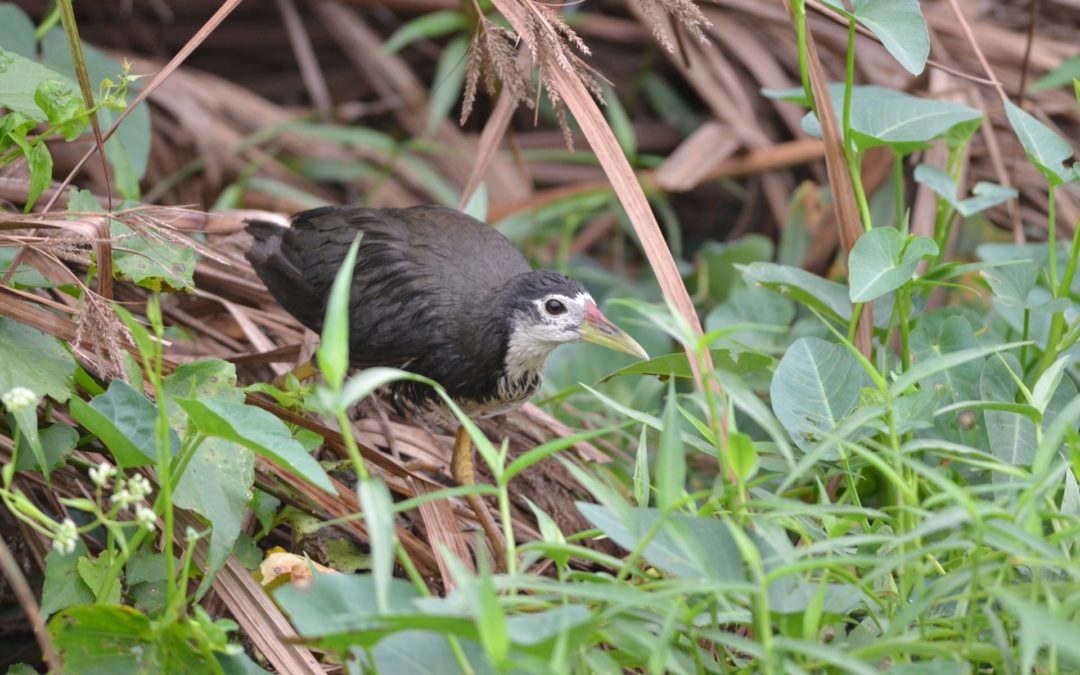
(903, 318)
(1051, 239)
(799, 9)
(898, 190)
(351, 447)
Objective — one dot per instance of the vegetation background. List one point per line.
(856, 454)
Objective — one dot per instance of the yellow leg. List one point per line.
(304, 371)
(461, 467)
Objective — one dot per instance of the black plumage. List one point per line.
(434, 292)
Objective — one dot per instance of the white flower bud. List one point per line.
(18, 399)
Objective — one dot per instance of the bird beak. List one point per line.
(599, 331)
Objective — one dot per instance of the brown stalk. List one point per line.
(25, 595)
(843, 190)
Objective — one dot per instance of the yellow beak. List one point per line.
(599, 331)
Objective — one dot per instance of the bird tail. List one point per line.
(272, 262)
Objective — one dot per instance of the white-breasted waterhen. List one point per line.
(437, 293)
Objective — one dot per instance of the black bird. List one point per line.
(437, 293)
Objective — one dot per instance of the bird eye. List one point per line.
(554, 307)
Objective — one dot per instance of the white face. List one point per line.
(534, 338)
(560, 318)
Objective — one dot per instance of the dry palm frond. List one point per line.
(551, 43)
(683, 11)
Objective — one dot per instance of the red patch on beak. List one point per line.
(593, 313)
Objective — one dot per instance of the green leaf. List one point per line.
(1061, 76)
(378, 511)
(20, 78)
(105, 639)
(743, 455)
(32, 359)
(40, 163)
(430, 25)
(670, 459)
(257, 430)
(677, 365)
(152, 262)
(63, 106)
(132, 415)
(215, 485)
(815, 386)
(884, 259)
(94, 573)
(900, 26)
(17, 31)
(986, 195)
(447, 83)
(333, 352)
(64, 586)
(935, 337)
(57, 441)
(478, 203)
(720, 260)
(1044, 148)
(685, 546)
(1012, 435)
(422, 652)
(883, 116)
(620, 123)
(642, 482)
(1013, 282)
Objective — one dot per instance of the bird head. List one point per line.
(551, 310)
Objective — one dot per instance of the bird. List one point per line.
(438, 293)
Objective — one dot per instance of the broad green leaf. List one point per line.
(448, 81)
(1045, 149)
(986, 195)
(425, 653)
(900, 26)
(257, 430)
(1012, 435)
(35, 360)
(333, 351)
(64, 586)
(934, 338)
(430, 25)
(127, 423)
(811, 290)
(57, 442)
(670, 458)
(816, 385)
(105, 639)
(20, 78)
(16, 31)
(685, 546)
(215, 485)
(883, 116)
(94, 573)
(219, 476)
(884, 259)
(757, 306)
(1047, 385)
(719, 260)
(1012, 283)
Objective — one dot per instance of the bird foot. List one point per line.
(461, 467)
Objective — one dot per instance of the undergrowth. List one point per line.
(806, 506)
